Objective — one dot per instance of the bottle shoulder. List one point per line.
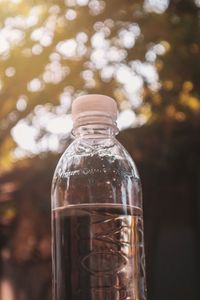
(107, 154)
(96, 171)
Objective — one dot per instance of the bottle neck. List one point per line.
(95, 131)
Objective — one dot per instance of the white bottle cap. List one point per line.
(94, 109)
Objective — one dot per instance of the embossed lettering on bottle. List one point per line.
(107, 249)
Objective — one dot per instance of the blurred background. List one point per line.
(145, 54)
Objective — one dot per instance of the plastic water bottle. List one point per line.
(97, 220)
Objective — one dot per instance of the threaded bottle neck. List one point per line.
(101, 128)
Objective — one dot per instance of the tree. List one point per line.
(143, 53)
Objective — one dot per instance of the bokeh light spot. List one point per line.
(98, 40)
(70, 3)
(46, 41)
(37, 34)
(60, 125)
(107, 73)
(82, 2)
(81, 37)
(21, 103)
(126, 119)
(37, 49)
(54, 57)
(10, 72)
(4, 45)
(96, 7)
(54, 9)
(67, 48)
(25, 136)
(197, 2)
(157, 6)
(127, 38)
(71, 14)
(65, 100)
(35, 85)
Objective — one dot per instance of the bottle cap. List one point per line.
(94, 109)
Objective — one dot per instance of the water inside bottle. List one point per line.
(98, 252)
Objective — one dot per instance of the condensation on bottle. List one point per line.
(97, 214)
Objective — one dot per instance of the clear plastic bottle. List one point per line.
(97, 220)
